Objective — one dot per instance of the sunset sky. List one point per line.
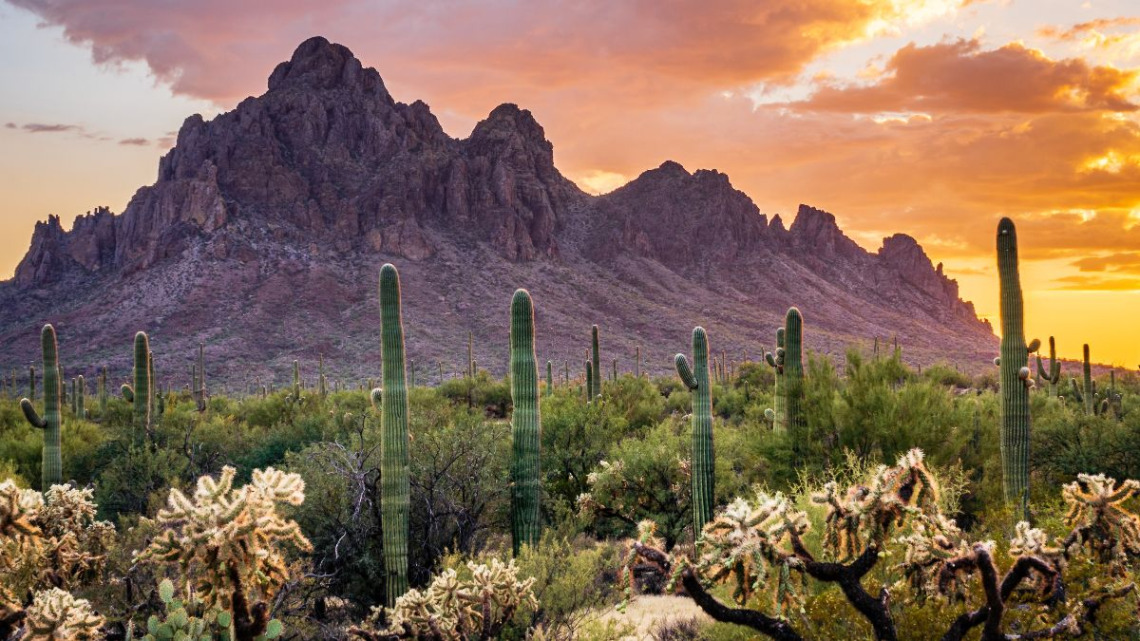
(929, 117)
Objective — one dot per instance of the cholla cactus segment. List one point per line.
(55, 615)
(222, 529)
(1031, 541)
(1100, 519)
(866, 514)
(451, 609)
(49, 539)
(933, 540)
(743, 545)
(18, 509)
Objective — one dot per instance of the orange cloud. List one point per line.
(960, 77)
(1092, 32)
(221, 50)
(1098, 283)
(1128, 261)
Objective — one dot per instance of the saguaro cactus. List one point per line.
(776, 360)
(1053, 374)
(103, 391)
(589, 381)
(200, 382)
(80, 396)
(32, 382)
(526, 426)
(52, 463)
(324, 389)
(549, 378)
(696, 378)
(596, 390)
(794, 376)
(1014, 372)
(394, 489)
(139, 393)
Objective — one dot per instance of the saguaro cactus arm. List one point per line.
(30, 414)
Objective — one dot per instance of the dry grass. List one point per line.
(647, 611)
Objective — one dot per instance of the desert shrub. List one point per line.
(575, 436)
(947, 376)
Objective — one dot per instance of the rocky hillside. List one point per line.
(266, 228)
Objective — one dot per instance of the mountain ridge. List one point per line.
(280, 212)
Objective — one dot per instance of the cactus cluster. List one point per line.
(454, 609)
(47, 540)
(229, 543)
(696, 378)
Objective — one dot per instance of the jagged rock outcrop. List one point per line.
(265, 228)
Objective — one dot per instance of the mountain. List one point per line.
(263, 236)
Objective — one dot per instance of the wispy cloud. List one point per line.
(137, 142)
(40, 128)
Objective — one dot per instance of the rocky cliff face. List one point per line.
(266, 226)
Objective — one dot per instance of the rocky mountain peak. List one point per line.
(318, 64)
(816, 231)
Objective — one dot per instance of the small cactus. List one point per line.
(1052, 375)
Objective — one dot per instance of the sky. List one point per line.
(933, 118)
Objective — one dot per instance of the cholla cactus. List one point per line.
(49, 539)
(744, 544)
(229, 542)
(865, 515)
(55, 615)
(451, 609)
(934, 540)
(1100, 520)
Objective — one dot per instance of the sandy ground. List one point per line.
(646, 611)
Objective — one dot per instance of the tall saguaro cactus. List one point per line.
(696, 378)
(526, 426)
(794, 376)
(596, 390)
(52, 465)
(1014, 372)
(394, 489)
(1053, 374)
(549, 378)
